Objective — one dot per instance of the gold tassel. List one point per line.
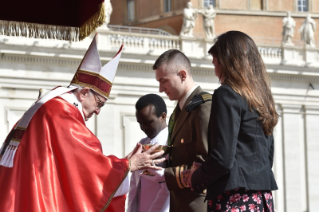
(94, 22)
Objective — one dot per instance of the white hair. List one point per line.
(79, 88)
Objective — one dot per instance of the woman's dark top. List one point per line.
(241, 155)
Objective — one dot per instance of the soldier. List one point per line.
(187, 128)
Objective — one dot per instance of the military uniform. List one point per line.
(189, 141)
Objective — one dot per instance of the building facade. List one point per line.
(261, 19)
(29, 64)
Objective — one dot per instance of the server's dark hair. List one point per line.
(152, 99)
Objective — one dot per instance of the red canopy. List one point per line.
(57, 19)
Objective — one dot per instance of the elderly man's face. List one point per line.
(91, 104)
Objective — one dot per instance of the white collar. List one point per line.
(181, 102)
(159, 136)
(71, 98)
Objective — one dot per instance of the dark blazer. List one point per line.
(189, 140)
(240, 155)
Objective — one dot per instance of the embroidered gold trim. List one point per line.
(177, 173)
(95, 75)
(19, 129)
(148, 173)
(112, 195)
(182, 176)
(75, 81)
(206, 96)
(95, 89)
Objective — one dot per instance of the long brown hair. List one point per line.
(244, 71)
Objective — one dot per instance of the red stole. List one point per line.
(59, 166)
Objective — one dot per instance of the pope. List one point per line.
(51, 161)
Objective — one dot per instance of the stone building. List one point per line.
(261, 19)
(29, 64)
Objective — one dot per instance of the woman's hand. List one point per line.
(145, 160)
(189, 173)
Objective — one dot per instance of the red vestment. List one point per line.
(59, 166)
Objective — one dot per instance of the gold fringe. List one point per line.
(32, 30)
(112, 195)
(94, 22)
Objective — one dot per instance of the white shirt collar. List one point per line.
(181, 102)
(160, 136)
(71, 98)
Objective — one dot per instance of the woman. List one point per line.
(237, 173)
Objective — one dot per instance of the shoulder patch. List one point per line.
(198, 100)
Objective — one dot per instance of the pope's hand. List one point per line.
(134, 151)
(145, 160)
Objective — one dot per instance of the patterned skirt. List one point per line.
(239, 200)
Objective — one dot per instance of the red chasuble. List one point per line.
(59, 166)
